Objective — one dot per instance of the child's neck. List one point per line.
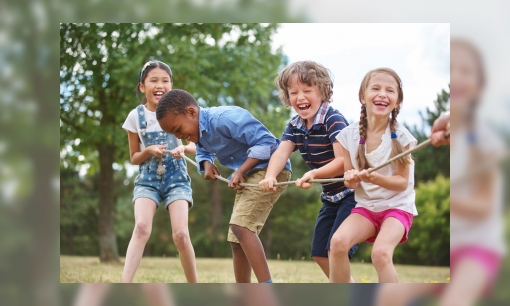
(150, 107)
(377, 125)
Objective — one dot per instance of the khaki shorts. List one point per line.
(252, 205)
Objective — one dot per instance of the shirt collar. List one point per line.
(203, 123)
(320, 117)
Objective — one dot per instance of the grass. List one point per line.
(77, 269)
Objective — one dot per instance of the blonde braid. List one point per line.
(360, 156)
(396, 146)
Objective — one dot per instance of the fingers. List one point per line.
(235, 181)
(442, 123)
(267, 184)
(300, 183)
(438, 139)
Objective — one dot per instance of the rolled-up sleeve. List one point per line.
(260, 152)
(201, 156)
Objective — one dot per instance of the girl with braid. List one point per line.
(385, 198)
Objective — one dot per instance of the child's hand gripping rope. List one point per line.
(389, 161)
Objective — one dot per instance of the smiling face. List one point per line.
(381, 95)
(183, 126)
(306, 100)
(156, 83)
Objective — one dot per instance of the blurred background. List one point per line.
(29, 168)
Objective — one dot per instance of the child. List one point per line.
(385, 198)
(161, 177)
(243, 144)
(307, 87)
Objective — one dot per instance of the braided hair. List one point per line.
(396, 146)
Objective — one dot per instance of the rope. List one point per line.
(331, 180)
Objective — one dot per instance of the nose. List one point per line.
(300, 96)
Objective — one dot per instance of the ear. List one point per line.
(192, 112)
(141, 87)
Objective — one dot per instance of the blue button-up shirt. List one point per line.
(231, 134)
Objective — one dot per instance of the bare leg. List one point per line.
(254, 252)
(91, 295)
(467, 285)
(242, 267)
(144, 213)
(178, 211)
(158, 294)
(388, 238)
(353, 230)
(323, 263)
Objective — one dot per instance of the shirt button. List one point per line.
(306, 137)
(214, 154)
(231, 157)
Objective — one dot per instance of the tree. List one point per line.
(431, 161)
(220, 64)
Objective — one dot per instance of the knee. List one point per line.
(381, 256)
(339, 245)
(142, 230)
(237, 230)
(181, 238)
(236, 247)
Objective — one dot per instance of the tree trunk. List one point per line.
(107, 238)
(217, 212)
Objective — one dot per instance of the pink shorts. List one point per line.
(377, 219)
(489, 260)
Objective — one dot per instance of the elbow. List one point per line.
(402, 186)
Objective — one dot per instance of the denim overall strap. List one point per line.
(141, 119)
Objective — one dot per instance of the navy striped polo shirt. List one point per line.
(316, 145)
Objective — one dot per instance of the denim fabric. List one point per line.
(174, 184)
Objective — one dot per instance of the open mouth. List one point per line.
(304, 106)
(381, 103)
(158, 94)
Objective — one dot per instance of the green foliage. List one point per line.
(220, 64)
(429, 237)
(431, 161)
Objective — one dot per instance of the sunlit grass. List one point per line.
(76, 269)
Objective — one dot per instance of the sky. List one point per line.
(419, 53)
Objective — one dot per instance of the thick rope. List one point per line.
(331, 180)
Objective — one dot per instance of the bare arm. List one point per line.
(332, 169)
(276, 165)
(138, 157)
(238, 175)
(397, 182)
(351, 179)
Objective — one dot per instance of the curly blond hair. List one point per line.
(308, 72)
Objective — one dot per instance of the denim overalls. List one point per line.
(174, 184)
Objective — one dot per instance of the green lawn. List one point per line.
(76, 269)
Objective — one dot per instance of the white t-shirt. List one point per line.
(488, 232)
(371, 196)
(132, 124)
